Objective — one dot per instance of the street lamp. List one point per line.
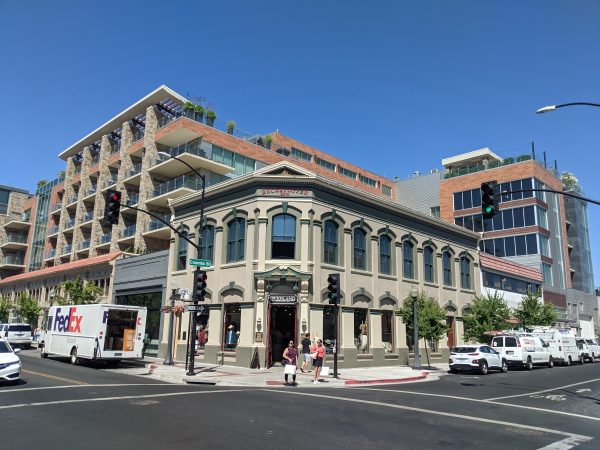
(414, 293)
(193, 317)
(551, 108)
(169, 357)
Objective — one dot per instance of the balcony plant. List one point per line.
(199, 112)
(230, 126)
(188, 109)
(268, 141)
(211, 116)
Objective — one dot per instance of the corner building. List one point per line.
(275, 234)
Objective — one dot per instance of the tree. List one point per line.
(489, 312)
(28, 309)
(533, 311)
(431, 318)
(78, 293)
(5, 307)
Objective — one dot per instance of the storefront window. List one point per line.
(387, 337)
(361, 330)
(231, 330)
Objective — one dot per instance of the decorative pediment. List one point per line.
(283, 272)
(285, 169)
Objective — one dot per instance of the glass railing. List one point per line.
(49, 254)
(16, 237)
(128, 231)
(88, 216)
(105, 238)
(192, 148)
(66, 249)
(52, 230)
(91, 190)
(133, 199)
(138, 134)
(14, 260)
(84, 244)
(157, 224)
(135, 169)
(56, 207)
(492, 165)
(116, 146)
(184, 181)
(70, 224)
(110, 181)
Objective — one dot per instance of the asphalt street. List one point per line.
(72, 407)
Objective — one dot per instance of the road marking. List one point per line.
(580, 438)
(89, 385)
(106, 399)
(564, 444)
(541, 392)
(582, 390)
(533, 408)
(54, 377)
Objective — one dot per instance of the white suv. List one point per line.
(478, 357)
(17, 334)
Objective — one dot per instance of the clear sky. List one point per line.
(392, 86)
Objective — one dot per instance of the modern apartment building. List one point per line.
(16, 209)
(531, 228)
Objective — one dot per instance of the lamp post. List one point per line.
(169, 357)
(193, 317)
(551, 108)
(414, 293)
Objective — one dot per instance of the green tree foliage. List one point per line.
(489, 312)
(28, 309)
(533, 311)
(78, 293)
(431, 317)
(5, 307)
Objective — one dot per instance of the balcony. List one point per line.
(134, 174)
(491, 165)
(12, 262)
(66, 250)
(138, 134)
(157, 229)
(177, 133)
(50, 254)
(131, 199)
(83, 245)
(110, 182)
(14, 241)
(192, 154)
(95, 159)
(56, 208)
(128, 234)
(87, 219)
(72, 201)
(52, 231)
(116, 147)
(69, 225)
(105, 240)
(18, 222)
(175, 188)
(90, 193)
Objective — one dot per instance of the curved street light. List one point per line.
(551, 108)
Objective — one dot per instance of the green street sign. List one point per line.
(200, 262)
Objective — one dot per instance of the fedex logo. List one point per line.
(68, 321)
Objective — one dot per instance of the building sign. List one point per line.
(258, 336)
(282, 299)
(275, 192)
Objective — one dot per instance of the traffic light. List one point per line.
(489, 199)
(200, 285)
(112, 206)
(333, 287)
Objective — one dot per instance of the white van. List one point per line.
(585, 352)
(523, 350)
(561, 344)
(594, 347)
(98, 332)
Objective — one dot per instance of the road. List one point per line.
(74, 407)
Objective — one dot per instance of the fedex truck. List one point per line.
(96, 332)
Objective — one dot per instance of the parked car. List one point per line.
(10, 363)
(478, 357)
(561, 344)
(523, 350)
(17, 334)
(594, 347)
(585, 353)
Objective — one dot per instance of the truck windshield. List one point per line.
(120, 330)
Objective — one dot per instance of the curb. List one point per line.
(389, 380)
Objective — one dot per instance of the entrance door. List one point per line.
(450, 323)
(282, 330)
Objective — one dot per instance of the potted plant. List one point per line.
(188, 109)
(42, 183)
(230, 126)
(61, 174)
(210, 118)
(268, 141)
(199, 110)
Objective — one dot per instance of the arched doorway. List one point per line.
(282, 322)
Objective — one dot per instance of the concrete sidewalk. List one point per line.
(273, 377)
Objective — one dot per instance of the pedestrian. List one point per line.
(305, 352)
(318, 355)
(291, 356)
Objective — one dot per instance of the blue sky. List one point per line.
(392, 86)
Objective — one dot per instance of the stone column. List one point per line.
(117, 230)
(81, 210)
(250, 242)
(219, 249)
(64, 214)
(346, 333)
(375, 342)
(99, 202)
(347, 262)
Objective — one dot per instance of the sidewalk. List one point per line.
(274, 377)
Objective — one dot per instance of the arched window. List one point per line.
(428, 269)
(236, 233)
(330, 242)
(207, 243)
(360, 249)
(283, 241)
(182, 250)
(408, 257)
(465, 273)
(447, 268)
(385, 254)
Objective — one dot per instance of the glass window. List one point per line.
(407, 254)
(529, 213)
(516, 186)
(507, 218)
(388, 191)
(488, 246)
(478, 223)
(435, 211)
(476, 196)
(231, 330)
(541, 195)
(447, 268)
(544, 245)
(360, 249)
(467, 200)
(459, 221)
(326, 164)
(488, 225)
(361, 330)
(504, 187)
(348, 173)
(283, 243)
(526, 183)
(547, 273)
(519, 220)
(509, 246)
(531, 244)
(207, 243)
(520, 245)
(468, 222)
(458, 205)
(330, 255)
(387, 320)
(301, 154)
(499, 247)
(236, 232)
(428, 264)
(465, 273)
(542, 217)
(182, 249)
(367, 180)
(385, 254)
(497, 220)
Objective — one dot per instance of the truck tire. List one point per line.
(550, 363)
(529, 363)
(43, 354)
(74, 358)
(504, 367)
(592, 359)
(581, 360)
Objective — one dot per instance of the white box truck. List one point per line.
(97, 332)
(561, 344)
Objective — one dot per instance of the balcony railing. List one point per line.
(25, 217)
(138, 134)
(106, 238)
(110, 182)
(157, 224)
(91, 190)
(491, 165)
(16, 237)
(135, 169)
(128, 231)
(184, 181)
(56, 207)
(73, 199)
(133, 199)
(53, 229)
(84, 244)
(66, 249)
(49, 254)
(70, 224)
(14, 260)
(116, 147)
(88, 216)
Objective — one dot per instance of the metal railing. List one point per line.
(16, 237)
(14, 260)
(50, 254)
(88, 216)
(193, 148)
(52, 230)
(78, 169)
(133, 198)
(157, 224)
(184, 181)
(138, 134)
(106, 238)
(110, 182)
(73, 199)
(116, 147)
(20, 217)
(134, 170)
(91, 190)
(85, 244)
(95, 159)
(67, 249)
(491, 165)
(128, 231)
